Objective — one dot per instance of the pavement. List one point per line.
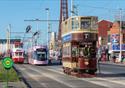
(112, 63)
(12, 85)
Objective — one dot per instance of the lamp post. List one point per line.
(120, 33)
(72, 8)
(48, 26)
(28, 30)
(8, 39)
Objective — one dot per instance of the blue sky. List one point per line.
(14, 12)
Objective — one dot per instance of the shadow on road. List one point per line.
(111, 75)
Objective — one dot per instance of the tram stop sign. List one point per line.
(7, 63)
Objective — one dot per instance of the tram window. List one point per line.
(81, 52)
(74, 51)
(34, 55)
(16, 54)
(41, 55)
(75, 24)
(20, 53)
(67, 51)
(64, 51)
(85, 24)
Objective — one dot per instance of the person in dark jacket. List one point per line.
(122, 58)
(114, 58)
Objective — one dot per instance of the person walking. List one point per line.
(122, 58)
(114, 58)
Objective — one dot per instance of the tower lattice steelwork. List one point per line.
(63, 14)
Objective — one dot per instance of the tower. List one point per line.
(63, 15)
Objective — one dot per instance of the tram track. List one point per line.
(63, 78)
(54, 74)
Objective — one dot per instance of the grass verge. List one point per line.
(11, 76)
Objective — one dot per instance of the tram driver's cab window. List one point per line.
(41, 55)
(75, 51)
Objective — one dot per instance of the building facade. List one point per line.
(114, 34)
(103, 28)
(4, 44)
(52, 43)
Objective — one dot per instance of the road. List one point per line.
(111, 76)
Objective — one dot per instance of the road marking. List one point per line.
(52, 77)
(114, 81)
(110, 83)
(95, 81)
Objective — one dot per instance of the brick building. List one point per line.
(114, 34)
(103, 28)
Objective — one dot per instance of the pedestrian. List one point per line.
(122, 58)
(114, 58)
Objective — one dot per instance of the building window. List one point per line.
(108, 38)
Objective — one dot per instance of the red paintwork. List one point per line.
(18, 60)
(81, 63)
(91, 63)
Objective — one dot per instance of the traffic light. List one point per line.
(28, 28)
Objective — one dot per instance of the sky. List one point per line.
(14, 12)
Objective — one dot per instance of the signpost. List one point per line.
(7, 63)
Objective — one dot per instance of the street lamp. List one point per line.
(8, 37)
(28, 28)
(120, 34)
(48, 26)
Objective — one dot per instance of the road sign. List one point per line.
(7, 62)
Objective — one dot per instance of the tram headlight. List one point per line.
(86, 62)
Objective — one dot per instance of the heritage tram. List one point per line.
(79, 42)
(18, 53)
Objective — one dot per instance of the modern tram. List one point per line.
(37, 55)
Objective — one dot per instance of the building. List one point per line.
(52, 43)
(103, 28)
(4, 44)
(114, 39)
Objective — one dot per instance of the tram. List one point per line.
(17, 52)
(37, 55)
(54, 56)
(79, 42)
(18, 55)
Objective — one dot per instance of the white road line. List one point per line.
(97, 82)
(110, 83)
(52, 77)
(114, 81)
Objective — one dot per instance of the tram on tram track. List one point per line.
(79, 42)
(18, 55)
(37, 55)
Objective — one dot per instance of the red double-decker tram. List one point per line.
(18, 52)
(79, 38)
